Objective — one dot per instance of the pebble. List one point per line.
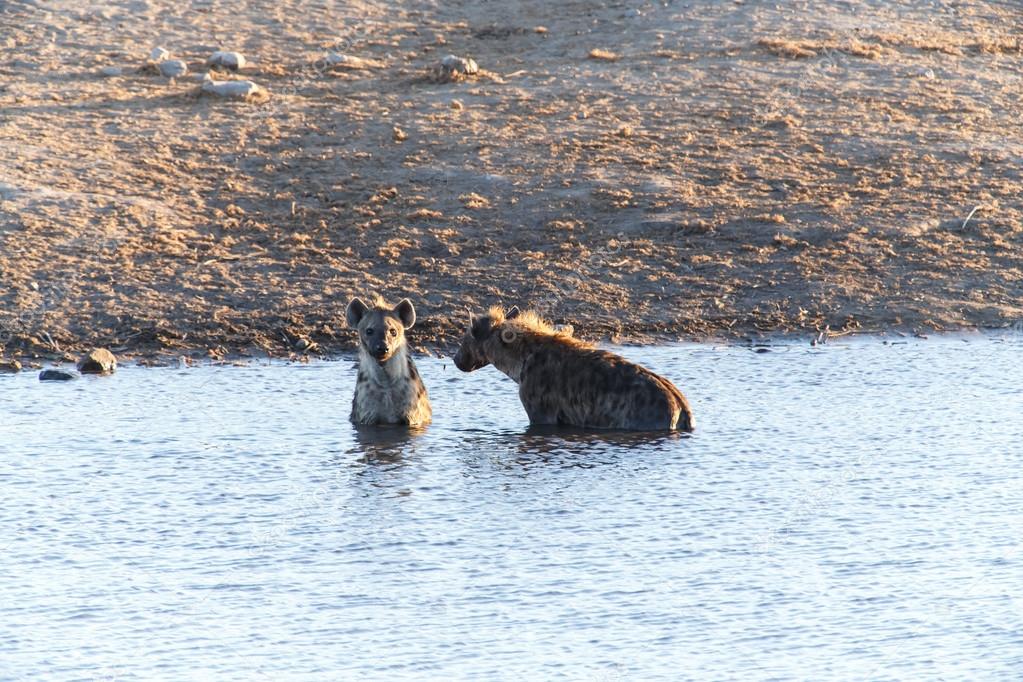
(57, 375)
(231, 61)
(98, 361)
(305, 345)
(110, 71)
(159, 54)
(348, 61)
(173, 68)
(238, 89)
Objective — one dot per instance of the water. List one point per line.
(846, 512)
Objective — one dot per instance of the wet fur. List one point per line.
(565, 381)
(388, 390)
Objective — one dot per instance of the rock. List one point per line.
(111, 71)
(173, 68)
(453, 68)
(349, 62)
(463, 64)
(231, 61)
(57, 375)
(99, 361)
(9, 366)
(236, 89)
(305, 345)
(158, 54)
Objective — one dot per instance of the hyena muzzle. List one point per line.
(564, 381)
(388, 389)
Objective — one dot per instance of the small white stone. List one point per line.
(227, 60)
(110, 71)
(239, 89)
(461, 65)
(349, 62)
(159, 54)
(173, 68)
(338, 58)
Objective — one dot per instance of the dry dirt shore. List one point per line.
(645, 171)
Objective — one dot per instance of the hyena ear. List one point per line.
(512, 313)
(480, 327)
(356, 309)
(406, 313)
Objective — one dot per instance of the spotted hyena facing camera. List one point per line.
(388, 389)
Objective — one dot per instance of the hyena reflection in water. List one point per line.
(564, 381)
(388, 389)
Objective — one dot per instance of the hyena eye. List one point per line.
(392, 331)
(369, 332)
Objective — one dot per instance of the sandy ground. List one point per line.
(640, 170)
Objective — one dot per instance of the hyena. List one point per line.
(564, 381)
(388, 389)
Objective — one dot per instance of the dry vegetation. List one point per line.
(642, 170)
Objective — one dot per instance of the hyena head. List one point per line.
(483, 342)
(381, 328)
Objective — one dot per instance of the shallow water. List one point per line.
(853, 511)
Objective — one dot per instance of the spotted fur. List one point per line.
(565, 381)
(388, 389)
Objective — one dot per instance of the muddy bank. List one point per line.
(642, 171)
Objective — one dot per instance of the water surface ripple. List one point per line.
(847, 512)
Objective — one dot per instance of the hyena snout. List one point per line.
(469, 359)
(381, 350)
(381, 330)
(461, 362)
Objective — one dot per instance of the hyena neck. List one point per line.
(395, 369)
(510, 363)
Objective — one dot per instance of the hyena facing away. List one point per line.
(388, 389)
(563, 381)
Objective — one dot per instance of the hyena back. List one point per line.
(388, 389)
(563, 381)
